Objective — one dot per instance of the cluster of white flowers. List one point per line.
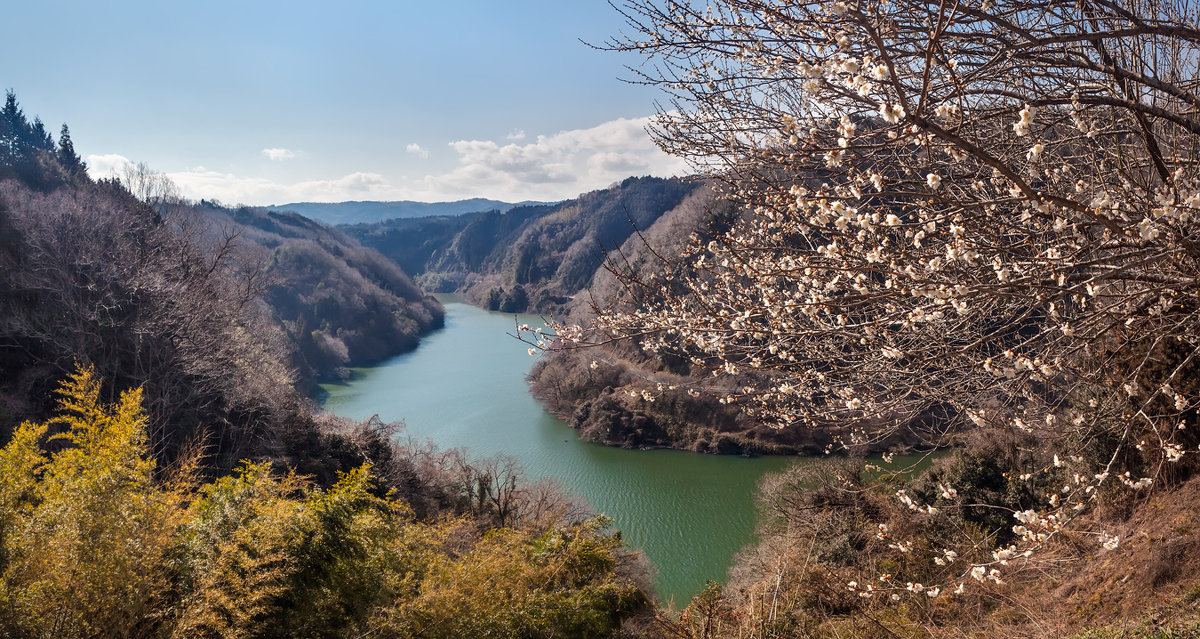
(891, 113)
(948, 556)
(1138, 484)
(1024, 120)
(1109, 542)
(982, 573)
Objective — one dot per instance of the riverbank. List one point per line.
(464, 387)
(616, 395)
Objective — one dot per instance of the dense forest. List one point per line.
(161, 475)
(340, 303)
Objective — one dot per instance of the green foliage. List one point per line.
(28, 152)
(95, 542)
(67, 157)
(563, 583)
(240, 541)
(985, 474)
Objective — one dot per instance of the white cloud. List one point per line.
(551, 167)
(107, 165)
(232, 189)
(279, 155)
(555, 166)
(202, 183)
(517, 134)
(417, 149)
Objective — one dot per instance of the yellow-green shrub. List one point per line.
(87, 534)
(93, 544)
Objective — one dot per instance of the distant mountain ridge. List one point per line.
(531, 258)
(371, 211)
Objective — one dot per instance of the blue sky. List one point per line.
(261, 103)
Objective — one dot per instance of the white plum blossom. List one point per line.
(891, 113)
(1025, 119)
(1109, 542)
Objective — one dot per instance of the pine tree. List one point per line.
(20, 140)
(39, 137)
(67, 156)
(13, 129)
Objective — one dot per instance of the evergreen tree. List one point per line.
(28, 152)
(67, 156)
(39, 137)
(13, 130)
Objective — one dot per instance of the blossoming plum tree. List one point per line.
(987, 207)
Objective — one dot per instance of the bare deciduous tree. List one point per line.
(101, 279)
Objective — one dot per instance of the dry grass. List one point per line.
(1147, 587)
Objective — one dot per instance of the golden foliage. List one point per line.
(93, 544)
(86, 532)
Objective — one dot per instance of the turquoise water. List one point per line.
(464, 387)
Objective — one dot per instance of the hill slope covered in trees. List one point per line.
(529, 258)
(340, 303)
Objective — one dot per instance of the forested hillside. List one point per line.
(160, 476)
(529, 258)
(184, 301)
(340, 303)
(598, 390)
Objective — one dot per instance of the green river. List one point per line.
(464, 387)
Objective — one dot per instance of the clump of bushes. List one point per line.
(96, 539)
(853, 548)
